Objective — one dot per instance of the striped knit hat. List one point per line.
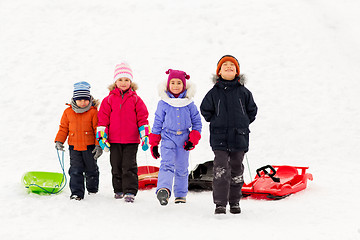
(123, 70)
(81, 91)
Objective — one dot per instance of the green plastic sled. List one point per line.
(44, 182)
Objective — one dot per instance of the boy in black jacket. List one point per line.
(230, 108)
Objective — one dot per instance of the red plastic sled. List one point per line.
(281, 182)
(147, 177)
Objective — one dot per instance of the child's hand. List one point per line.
(98, 152)
(189, 146)
(59, 146)
(144, 131)
(194, 138)
(155, 151)
(145, 143)
(101, 136)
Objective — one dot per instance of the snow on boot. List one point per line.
(129, 197)
(75, 197)
(220, 209)
(180, 200)
(235, 208)
(163, 196)
(119, 195)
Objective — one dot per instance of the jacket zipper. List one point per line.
(218, 108)
(242, 108)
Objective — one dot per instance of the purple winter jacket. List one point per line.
(176, 114)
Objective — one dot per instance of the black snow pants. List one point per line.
(228, 177)
(83, 168)
(124, 167)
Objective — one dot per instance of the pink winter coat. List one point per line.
(122, 115)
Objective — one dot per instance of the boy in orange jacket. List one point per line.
(79, 122)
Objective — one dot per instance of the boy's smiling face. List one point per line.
(228, 70)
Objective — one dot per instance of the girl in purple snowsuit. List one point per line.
(176, 113)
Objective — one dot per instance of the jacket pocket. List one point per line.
(71, 139)
(242, 137)
(89, 137)
(218, 137)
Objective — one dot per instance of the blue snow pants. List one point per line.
(83, 169)
(174, 163)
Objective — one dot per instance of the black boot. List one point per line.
(235, 208)
(220, 209)
(163, 196)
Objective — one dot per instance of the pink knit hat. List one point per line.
(123, 70)
(177, 74)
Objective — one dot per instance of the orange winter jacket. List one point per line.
(80, 127)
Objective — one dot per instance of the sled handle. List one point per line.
(271, 175)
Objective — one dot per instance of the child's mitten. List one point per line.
(98, 152)
(144, 135)
(101, 136)
(155, 151)
(59, 146)
(154, 140)
(194, 137)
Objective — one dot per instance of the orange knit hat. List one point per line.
(231, 59)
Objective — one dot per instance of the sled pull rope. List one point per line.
(62, 165)
(61, 161)
(247, 161)
(147, 162)
(190, 162)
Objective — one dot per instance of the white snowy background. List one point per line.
(301, 59)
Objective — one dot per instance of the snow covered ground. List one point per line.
(302, 62)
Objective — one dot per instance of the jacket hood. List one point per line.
(177, 102)
(242, 79)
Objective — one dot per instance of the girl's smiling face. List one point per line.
(228, 70)
(123, 83)
(176, 86)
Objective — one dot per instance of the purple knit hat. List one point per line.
(177, 74)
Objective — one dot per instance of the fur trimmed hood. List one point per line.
(177, 102)
(242, 79)
(133, 86)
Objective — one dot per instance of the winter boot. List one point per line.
(220, 209)
(163, 196)
(119, 195)
(129, 197)
(235, 208)
(180, 200)
(75, 197)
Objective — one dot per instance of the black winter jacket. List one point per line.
(230, 108)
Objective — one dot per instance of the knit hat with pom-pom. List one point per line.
(177, 74)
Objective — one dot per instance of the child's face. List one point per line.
(176, 86)
(82, 103)
(228, 70)
(123, 83)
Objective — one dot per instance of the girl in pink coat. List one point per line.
(123, 122)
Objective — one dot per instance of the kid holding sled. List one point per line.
(230, 108)
(79, 122)
(122, 123)
(176, 113)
